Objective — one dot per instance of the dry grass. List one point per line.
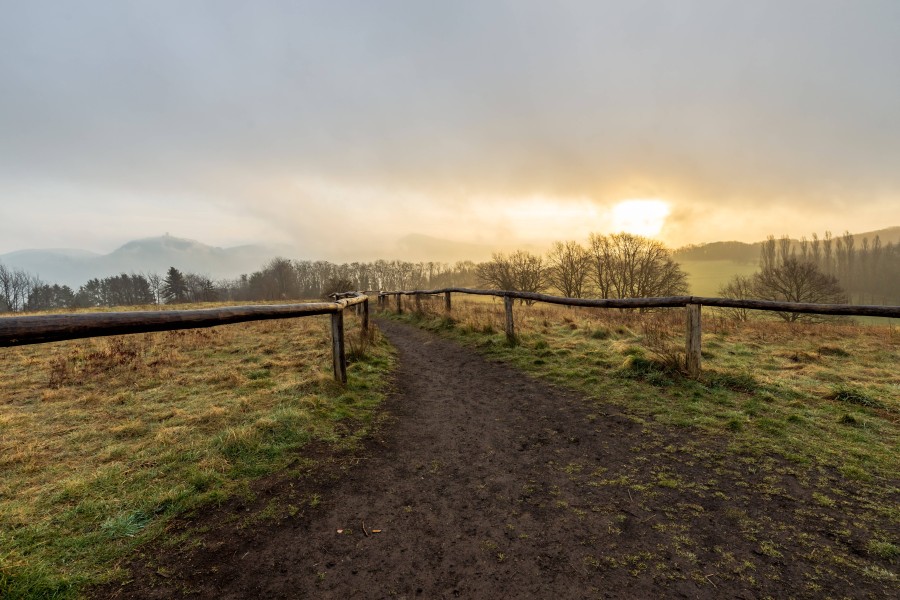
(102, 440)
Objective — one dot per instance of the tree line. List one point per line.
(620, 265)
(22, 291)
(279, 279)
(827, 270)
(868, 270)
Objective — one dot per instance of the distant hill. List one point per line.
(156, 254)
(733, 251)
(709, 266)
(889, 234)
(743, 252)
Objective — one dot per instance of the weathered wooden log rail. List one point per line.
(41, 329)
(692, 306)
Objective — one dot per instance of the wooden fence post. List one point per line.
(447, 302)
(692, 338)
(365, 317)
(418, 303)
(510, 327)
(399, 303)
(339, 359)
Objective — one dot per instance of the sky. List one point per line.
(341, 128)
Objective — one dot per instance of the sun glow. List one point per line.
(542, 217)
(641, 217)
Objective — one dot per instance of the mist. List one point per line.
(344, 128)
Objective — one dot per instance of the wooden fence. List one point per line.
(691, 304)
(18, 331)
(40, 329)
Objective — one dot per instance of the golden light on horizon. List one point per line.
(538, 217)
(644, 216)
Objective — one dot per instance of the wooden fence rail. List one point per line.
(692, 305)
(41, 329)
(18, 331)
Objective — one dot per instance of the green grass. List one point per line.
(103, 441)
(705, 277)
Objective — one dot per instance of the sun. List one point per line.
(644, 217)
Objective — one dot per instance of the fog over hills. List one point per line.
(744, 252)
(708, 265)
(156, 254)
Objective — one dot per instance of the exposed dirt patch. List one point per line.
(489, 483)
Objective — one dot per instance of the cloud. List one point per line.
(315, 121)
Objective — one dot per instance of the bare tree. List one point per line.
(601, 264)
(199, 288)
(569, 265)
(155, 281)
(15, 287)
(497, 273)
(785, 250)
(520, 271)
(816, 250)
(529, 271)
(337, 285)
(632, 266)
(739, 287)
(797, 281)
(768, 254)
(849, 260)
(827, 254)
(282, 279)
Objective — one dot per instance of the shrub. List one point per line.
(850, 395)
(832, 351)
(736, 382)
(649, 370)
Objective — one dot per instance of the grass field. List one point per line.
(103, 441)
(819, 403)
(705, 277)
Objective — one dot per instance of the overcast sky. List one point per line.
(341, 127)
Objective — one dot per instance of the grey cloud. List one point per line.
(724, 100)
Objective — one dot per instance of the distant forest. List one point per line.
(867, 270)
(279, 279)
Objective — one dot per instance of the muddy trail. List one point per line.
(486, 483)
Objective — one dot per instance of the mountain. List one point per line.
(156, 254)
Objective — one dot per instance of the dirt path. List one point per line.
(488, 483)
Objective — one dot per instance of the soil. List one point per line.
(484, 482)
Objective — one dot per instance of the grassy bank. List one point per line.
(103, 441)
